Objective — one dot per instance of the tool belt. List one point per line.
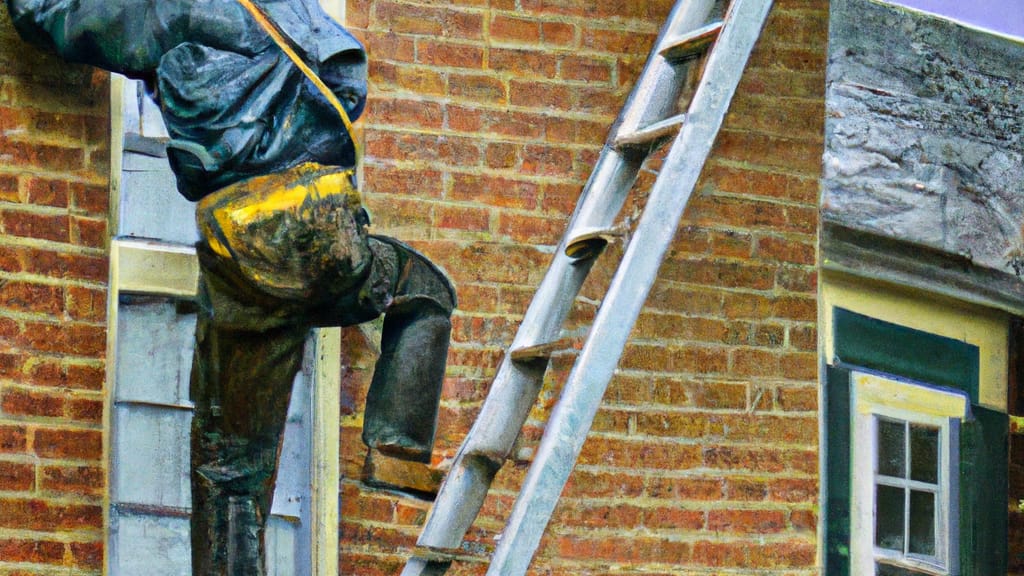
(289, 233)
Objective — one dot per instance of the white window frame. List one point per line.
(873, 397)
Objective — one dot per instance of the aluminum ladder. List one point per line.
(648, 119)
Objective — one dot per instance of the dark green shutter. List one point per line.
(837, 471)
(984, 445)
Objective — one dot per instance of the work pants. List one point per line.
(279, 255)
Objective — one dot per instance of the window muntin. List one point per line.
(907, 487)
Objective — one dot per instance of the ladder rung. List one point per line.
(651, 133)
(430, 564)
(541, 351)
(590, 241)
(693, 42)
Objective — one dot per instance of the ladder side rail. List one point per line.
(581, 397)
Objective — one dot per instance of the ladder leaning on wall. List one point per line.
(648, 119)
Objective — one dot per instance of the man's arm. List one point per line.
(130, 36)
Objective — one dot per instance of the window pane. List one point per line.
(889, 512)
(924, 454)
(922, 523)
(892, 448)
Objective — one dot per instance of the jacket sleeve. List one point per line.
(131, 36)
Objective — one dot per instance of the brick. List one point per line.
(449, 54)
(803, 337)
(84, 480)
(386, 45)
(13, 439)
(769, 151)
(616, 548)
(74, 338)
(747, 521)
(597, 515)
(402, 18)
(804, 520)
(35, 514)
(87, 555)
(515, 29)
(31, 297)
(648, 454)
(797, 279)
(666, 518)
(405, 112)
(719, 554)
(596, 484)
(559, 33)
(421, 81)
(86, 304)
(535, 94)
(45, 192)
(787, 250)
(792, 118)
(753, 362)
(29, 551)
(9, 189)
(68, 444)
(523, 229)
(86, 411)
(462, 218)
(456, 151)
(29, 403)
(479, 87)
(585, 69)
(547, 160)
(742, 458)
(794, 490)
(798, 399)
(17, 476)
(523, 63)
(53, 227)
(730, 274)
(575, 131)
(616, 41)
(796, 308)
(43, 156)
(560, 198)
(501, 155)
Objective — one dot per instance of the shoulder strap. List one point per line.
(285, 44)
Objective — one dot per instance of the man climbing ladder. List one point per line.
(257, 99)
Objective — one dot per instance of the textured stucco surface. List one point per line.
(925, 132)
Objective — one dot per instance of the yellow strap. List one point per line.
(282, 42)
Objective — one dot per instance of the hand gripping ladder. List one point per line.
(647, 119)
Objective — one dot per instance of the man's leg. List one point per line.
(402, 404)
(241, 384)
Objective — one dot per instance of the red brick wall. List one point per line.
(54, 156)
(484, 120)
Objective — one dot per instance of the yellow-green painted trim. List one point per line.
(982, 327)
(154, 268)
(325, 452)
(874, 391)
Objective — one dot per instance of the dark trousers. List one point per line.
(280, 255)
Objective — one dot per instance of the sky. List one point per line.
(1005, 16)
